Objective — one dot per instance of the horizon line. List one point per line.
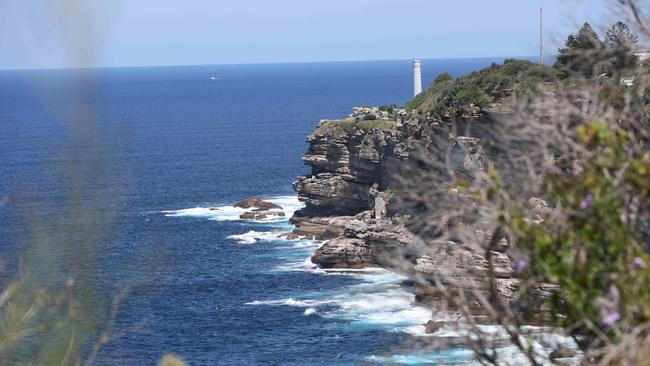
(258, 63)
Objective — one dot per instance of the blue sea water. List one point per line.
(140, 155)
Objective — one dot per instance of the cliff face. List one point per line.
(346, 196)
(349, 161)
(345, 163)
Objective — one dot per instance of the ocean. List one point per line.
(124, 164)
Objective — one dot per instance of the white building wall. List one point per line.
(417, 77)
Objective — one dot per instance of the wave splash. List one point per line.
(289, 204)
(253, 236)
(380, 301)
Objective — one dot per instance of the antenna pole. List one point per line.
(541, 36)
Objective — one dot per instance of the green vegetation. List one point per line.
(480, 88)
(338, 127)
(583, 153)
(577, 58)
(390, 108)
(586, 56)
(595, 256)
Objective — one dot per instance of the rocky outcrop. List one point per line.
(364, 242)
(344, 252)
(463, 268)
(432, 326)
(257, 204)
(344, 163)
(330, 194)
(348, 203)
(261, 215)
(260, 209)
(318, 227)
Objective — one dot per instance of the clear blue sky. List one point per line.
(68, 33)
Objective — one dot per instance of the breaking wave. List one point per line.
(379, 301)
(289, 204)
(253, 236)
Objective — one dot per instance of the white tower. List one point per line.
(417, 77)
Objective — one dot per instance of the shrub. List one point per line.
(493, 83)
(595, 256)
(369, 117)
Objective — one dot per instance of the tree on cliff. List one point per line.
(581, 55)
(621, 44)
(585, 55)
(447, 96)
(559, 189)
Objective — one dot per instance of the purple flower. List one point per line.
(520, 265)
(637, 263)
(586, 201)
(611, 318)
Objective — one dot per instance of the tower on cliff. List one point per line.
(417, 77)
(541, 36)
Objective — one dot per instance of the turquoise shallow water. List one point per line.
(168, 143)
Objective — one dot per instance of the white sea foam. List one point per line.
(379, 302)
(445, 357)
(221, 213)
(253, 236)
(304, 265)
(289, 204)
(290, 302)
(465, 356)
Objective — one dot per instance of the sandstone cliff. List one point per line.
(347, 199)
(346, 159)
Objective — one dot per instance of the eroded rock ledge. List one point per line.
(345, 162)
(259, 209)
(347, 202)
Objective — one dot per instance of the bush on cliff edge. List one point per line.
(480, 88)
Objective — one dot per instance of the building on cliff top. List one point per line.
(417, 77)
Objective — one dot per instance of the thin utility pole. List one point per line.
(541, 36)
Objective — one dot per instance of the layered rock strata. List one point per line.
(347, 202)
(259, 209)
(345, 163)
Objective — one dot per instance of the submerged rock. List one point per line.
(257, 204)
(431, 327)
(261, 215)
(260, 209)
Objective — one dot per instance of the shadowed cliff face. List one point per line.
(345, 163)
(349, 160)
(349, 163)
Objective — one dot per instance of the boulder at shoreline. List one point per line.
(258, 204)
(260, 209)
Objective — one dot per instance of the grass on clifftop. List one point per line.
(337, 127)
(480, 88)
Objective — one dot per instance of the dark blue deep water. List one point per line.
(128, 162)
